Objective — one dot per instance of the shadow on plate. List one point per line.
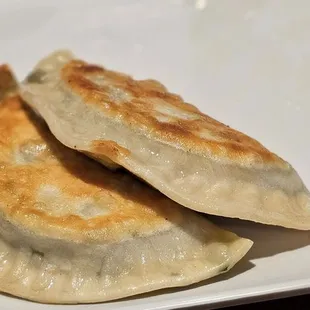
(268, 240)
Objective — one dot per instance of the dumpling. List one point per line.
(190, 157)
(72, 231)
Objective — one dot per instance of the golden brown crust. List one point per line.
(132, 207)
(163, 115)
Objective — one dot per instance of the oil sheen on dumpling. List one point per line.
(190, 157)
(72, 231)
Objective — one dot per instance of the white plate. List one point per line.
(246, 63)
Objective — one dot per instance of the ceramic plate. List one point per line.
(246, 63)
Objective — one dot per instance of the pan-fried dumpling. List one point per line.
(73, 231)
(190, 157)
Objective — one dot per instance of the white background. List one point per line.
(244, 62)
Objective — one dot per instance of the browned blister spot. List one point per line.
(92, 69)
(152, 85)
(109, 149)
(83, 83)
(7, 81)
(140, 112)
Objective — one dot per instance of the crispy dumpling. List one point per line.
(72, 231)
(190, 157)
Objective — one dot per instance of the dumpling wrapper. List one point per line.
(72, 231)
(190, 157)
